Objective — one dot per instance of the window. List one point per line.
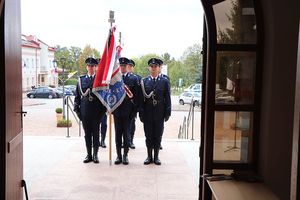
(27, 62)
(235, 21)
(230, 118)
(235, 77)
(233, 137)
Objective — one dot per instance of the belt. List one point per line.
(91, 98)
(153, 102)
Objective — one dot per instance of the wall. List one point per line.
(278, 87)
(30, 56)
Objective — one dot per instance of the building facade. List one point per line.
(37, 65)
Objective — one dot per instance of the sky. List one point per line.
(152, 26)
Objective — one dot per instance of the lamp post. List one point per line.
(76, 60)
(55, 70)
(63, 61)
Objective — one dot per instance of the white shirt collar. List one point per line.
(93, 75)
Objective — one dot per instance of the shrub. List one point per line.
(58, 110)
(64, 123)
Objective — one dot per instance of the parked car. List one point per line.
(72, 88)
(224, 97)
(44, 92)
(196, 87)
(187, 97)
(68, 92)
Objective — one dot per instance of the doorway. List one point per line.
(20, 65)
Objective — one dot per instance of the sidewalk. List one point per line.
(54, 170)
(53, 167)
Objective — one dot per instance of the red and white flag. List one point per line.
(108, 84)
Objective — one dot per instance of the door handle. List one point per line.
(23, 113)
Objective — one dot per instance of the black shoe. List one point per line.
(148, 161)
(132, 146)
(118, 161)
(160, 147)
(125, 160)
(88, 159)
(157, 161)
(95, 159)
(103, 144)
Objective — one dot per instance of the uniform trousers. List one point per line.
(153, 129)
(91, 112)
(122, 124)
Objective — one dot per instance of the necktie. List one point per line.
(91, 81)
(154, 80)
(123, 76)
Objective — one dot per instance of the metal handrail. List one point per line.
(179, 132)
(189, 118)
(184, 129)
(70, 107)
(25, 189)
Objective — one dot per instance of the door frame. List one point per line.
(11, 134)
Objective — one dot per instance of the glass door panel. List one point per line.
(235, 77)
(235, 21)
(233, 137)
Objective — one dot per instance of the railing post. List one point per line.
(179, 133)
(184, 126)
(193, 109)
(68, 129)
(25, 188)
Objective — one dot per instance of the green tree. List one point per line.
(141, 64)
(88, 51)
(233, 34)
(166, 57)
(192, 62)
(176, 71)
(62, 55)
(75, 53)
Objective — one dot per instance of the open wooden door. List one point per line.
(11, 136)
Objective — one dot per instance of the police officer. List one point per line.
(122, 116)
(155, 108)
(89, 110)
(134, 85)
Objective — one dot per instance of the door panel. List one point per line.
(11, 102)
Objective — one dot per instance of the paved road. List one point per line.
(41, 119)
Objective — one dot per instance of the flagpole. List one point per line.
(111, 20)
(110, 143)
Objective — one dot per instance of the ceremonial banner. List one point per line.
(108, 84)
